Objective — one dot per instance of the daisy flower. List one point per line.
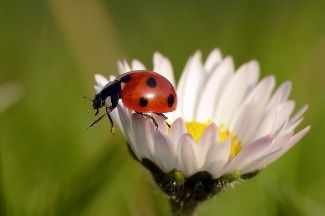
(228, 125)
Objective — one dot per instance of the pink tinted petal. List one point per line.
(293, 140)
(126, 121)
(249, 115)
(238, 87)
(293, 125)
(213, 60)
(209, 96)
(250, 153)
(217, 157)
(209, 137)
(298, 115)
(162, 65)
(138, 65)
(177, 129)
(280, 95)
(284, 110)
(116, 118)
(258, 163)
(187, 159)
(143, 128)
(162, 126)
(164, 153)
(120, 67)
(101, 81)
(189, 86)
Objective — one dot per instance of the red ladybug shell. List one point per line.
(147, 91)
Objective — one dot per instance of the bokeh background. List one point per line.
(51, 165)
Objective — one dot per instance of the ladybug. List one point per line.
(142, 91)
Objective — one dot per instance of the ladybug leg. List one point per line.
(149, 116)
(96, 121)
(161, 115)
(101, 117)
(164, 117)
(110, 120)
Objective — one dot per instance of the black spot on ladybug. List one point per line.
(126, 78)
(151, 82)
(170, 100)
(143, 101)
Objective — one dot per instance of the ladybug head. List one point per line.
(98, 102)
(108, 96)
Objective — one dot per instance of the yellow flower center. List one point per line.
(196, 130)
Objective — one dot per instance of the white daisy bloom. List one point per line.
(226, 122)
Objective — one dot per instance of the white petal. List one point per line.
(250, 153)
(261, 93)
(274, 119)
(164, 154)
(112, 77)
(258, 163)
(292, 126)
(213, 60)
(208, 138)
(209, 98)
(177, 129)
(281, 140)
(162, 65)
(239, 86)
(125, 118)
(120, 67)
(143, 128)
(280, 95)
(275, 148)
(284, 110)
(248, 117)
(116, 118)
(100, 80)
(265, 126)
(298, 115)
(187, 160)
(127, 68)
(217, 158)
(162, 126)
(138, 65)
(97, 89)
(293, 140)
(189, 86)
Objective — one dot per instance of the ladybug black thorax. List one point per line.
(98, 102)
(108, 96)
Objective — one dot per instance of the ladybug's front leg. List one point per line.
(110, 120)
(165, 117)
(149, 116)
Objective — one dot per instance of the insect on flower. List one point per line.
(142, 91)
(228, 126)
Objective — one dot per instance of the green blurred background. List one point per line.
(52, 165)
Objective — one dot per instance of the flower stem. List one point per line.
(181, 208)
